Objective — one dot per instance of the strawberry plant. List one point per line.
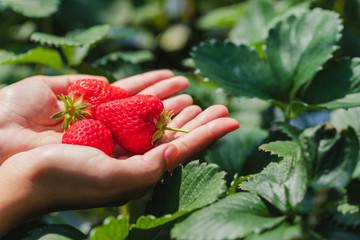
(274, 64)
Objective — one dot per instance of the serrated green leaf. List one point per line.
(39, 55)
(186, 189)
(241, 72)
(336, 86)
(80, 37)
(55, 231)
(283, 149)
(282, 184)
(330, 157)
(33, 8)
(112, 228)
(298, 46)
(236, 216)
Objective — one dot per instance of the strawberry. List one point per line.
(137, 123)
(95, 92)
(90, 132)
(87, 94)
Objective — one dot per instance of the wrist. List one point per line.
(19, 199)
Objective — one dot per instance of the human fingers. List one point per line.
(190, 120)
(135, 84)
(59, 84)
(177, 103)
(189, 144)
(167, 87)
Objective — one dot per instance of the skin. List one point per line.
(39, 175)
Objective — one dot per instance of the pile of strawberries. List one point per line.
(98, 114)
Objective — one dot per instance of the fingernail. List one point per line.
(170, 155)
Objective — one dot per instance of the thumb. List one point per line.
(149, 168)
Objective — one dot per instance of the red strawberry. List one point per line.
(90, 132)
(95, 92)
(137, 123)
(87, 94)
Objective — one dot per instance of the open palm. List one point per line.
(27, 105)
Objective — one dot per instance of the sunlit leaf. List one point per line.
(236, 216)
(33, 8)
(80, 37)
(39, 55)
(112, 228)
(298, 46)
(281, 148)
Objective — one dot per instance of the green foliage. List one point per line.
(236, 216)
(112, 228)
(185, 190)
(33, 8)
(283, 149)
(268, 61)
(286, 75)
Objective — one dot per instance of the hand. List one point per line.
(27, 105)
(58, 177)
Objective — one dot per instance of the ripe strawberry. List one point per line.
(87, 94)
(90, 132)
(137, 123)
(95, 92)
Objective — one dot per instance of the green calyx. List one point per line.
(161, 126)
(73, 110)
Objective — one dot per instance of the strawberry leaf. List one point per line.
(80, 37)
(177, 192)
(335, 86)
(185, 190)
(330, 157)
(283, 149)
(282, 184)
(241, 72)
(33, 8)
(234, 217)
(39, 55)
(112, 228)
(296, 48)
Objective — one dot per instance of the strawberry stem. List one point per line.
(161, 126)
(177, 130)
